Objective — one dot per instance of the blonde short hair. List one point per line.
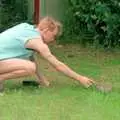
(51, 24)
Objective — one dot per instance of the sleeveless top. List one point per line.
(13, 40)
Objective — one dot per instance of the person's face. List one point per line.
(49, 36)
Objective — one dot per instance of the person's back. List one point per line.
(12, 41)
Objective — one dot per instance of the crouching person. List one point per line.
(20, 42)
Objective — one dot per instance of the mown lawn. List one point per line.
(66, 99)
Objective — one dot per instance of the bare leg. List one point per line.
(13, 74)
(14, 68)
(41, 79)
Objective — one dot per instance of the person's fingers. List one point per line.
(87, 84)
(90, 82)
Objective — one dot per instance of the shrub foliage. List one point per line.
(12, 12)
(94, 21)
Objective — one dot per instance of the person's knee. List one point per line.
(31, 68)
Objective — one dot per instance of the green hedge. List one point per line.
(93, 21)
(12, 12)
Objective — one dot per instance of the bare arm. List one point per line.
(44, 51)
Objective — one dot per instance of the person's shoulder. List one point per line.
(36, 44)
(23, 24)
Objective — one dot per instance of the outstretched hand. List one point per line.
(86, 82)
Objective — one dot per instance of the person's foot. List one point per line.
(36, 83)
(1, 87)
(44, 82)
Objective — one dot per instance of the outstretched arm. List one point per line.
(44, 51)
(60, 66)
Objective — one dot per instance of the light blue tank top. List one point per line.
(12, 41)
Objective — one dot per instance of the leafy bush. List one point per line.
(98, 20)
(12, 12)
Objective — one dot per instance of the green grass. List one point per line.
(66, 99)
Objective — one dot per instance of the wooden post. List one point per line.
(36, 10)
